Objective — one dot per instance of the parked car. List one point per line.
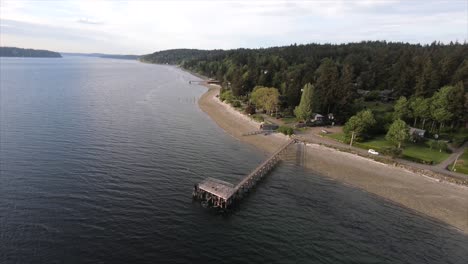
(373, 152)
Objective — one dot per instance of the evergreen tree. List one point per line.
(428, 80)
(461, 74)
(327, 85)
(402, 80)
(448, 65)
(306, 107)
(345, 92)
(456, 101)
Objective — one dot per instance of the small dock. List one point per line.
(221, 194)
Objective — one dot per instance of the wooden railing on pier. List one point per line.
(221, 194)
(262, 169)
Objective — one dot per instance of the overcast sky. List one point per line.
(145, 26)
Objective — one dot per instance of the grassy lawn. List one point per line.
(462, 163)
(289, 120)
(377, 143)
(415, 152)
(258, 117)
(423, 152)
(336, 136)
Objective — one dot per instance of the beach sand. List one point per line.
(442, 201)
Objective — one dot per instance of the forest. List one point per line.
(340, 73)
(18, 52)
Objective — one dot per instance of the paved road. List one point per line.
(444, 164)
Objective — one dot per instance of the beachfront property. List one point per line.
(318, 117)
(417, 133)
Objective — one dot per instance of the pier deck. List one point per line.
(217, 193)
(216, 187)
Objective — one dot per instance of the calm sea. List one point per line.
(97, 162)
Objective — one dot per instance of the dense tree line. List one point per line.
(18, 52)
(447, 106)
(337, 72)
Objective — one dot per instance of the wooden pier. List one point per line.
(221, 194)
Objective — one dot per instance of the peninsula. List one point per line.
(29, 53)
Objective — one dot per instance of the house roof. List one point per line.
(417, 130)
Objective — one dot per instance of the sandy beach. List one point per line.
(443, 201)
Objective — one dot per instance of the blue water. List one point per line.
(98, 158)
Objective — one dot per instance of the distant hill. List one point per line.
(31, 53)
(102, 55)
(177, 56)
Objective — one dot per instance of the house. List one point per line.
(383, 95)
(318, 117)
(386, 95)
(362, 92)
(417, 133)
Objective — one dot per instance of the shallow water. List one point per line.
(97, 162)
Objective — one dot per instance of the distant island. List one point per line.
(102, 55)
(31, 53)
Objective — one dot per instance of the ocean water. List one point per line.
(98, 158)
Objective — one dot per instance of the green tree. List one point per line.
(398, 132)
(461, 74)
(419, 108)
(305, 108)
(429, 79)
(345, 93)
(358, 124)
(226, 95)
(456, 100)
(440, 106)
(401, 109)
(265, 97)
(327, 84)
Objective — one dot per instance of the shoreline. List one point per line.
(443, 201)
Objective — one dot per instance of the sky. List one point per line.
(145, 26)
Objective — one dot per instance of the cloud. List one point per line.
(89, 21)
(146, 26)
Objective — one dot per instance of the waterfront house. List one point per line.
(417, 133)
(318, 117)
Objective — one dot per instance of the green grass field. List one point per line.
(462, 163)
(289, 120)
(415, 152)
(336, 136)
